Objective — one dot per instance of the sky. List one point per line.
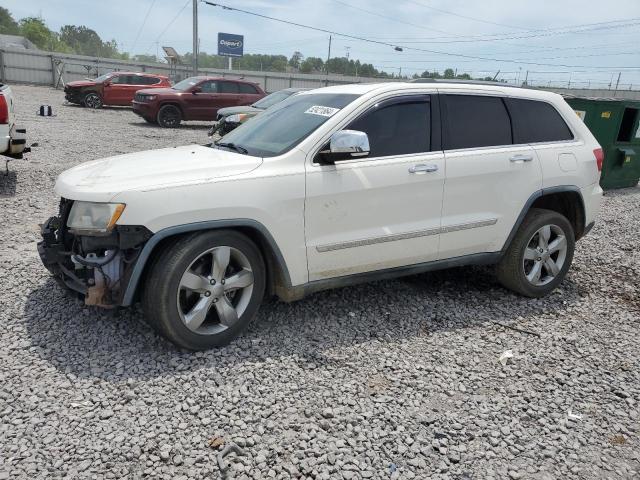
(564, 42)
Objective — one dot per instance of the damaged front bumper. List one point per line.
(97, 268)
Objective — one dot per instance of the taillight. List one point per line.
(4, 110)
(599, 154)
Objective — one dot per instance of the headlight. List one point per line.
(149, 98)
(90, 218)
(237, 118)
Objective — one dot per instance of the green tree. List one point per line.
(8, 25)
(34, 29)
(296, 59)
(449, 73)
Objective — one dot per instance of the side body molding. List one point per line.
(531, 200)
(160, 235)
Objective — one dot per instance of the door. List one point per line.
(489, 178)
(248, 94)
(117, 90)
(200, 102)
(382, 211)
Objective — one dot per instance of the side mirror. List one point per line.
(344, 145)
(196, 90)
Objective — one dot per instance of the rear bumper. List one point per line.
(593, 197)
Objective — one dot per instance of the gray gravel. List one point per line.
(396, 379)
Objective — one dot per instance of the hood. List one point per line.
(80, 83)
(101, 180)
(225, 112)
(159, 91)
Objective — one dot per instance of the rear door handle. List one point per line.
(521, 158)
(423, 168)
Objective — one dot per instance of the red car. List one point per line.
(115, 88)
(196, 98)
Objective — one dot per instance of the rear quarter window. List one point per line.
(536, 122)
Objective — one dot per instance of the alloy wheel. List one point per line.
(544, 255)
(92, 100)
(215, 290)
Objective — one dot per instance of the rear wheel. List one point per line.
(92, 100)
(205, 289)
(540, 254)
(169, 116)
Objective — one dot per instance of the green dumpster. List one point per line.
(616, 125)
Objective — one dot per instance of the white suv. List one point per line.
(332, 186)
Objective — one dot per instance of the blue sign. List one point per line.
(230, 45)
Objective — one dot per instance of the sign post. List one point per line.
(230, 45)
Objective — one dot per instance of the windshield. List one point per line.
(282, 127)
(272, 99)
(102, 78)
(186, 83)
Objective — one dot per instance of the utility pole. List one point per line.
(617, 83)
(526, 78)
(329, 55)
(195, 37)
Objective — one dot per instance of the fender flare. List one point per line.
(147, 250)
(527, 206)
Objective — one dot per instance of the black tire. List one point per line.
(92, 100)
(169, 116)
(511, 270)
(162, 294)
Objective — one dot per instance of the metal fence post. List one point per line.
(265, 83)
(53, 72)
(2, 73)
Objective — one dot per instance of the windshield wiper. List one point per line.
(232, 146)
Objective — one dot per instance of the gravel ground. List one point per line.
(396, 379)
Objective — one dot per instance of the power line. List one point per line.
(142, 26)
(169, 24)
(447, 12)
(400, 47)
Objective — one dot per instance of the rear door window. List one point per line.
(247, 88)
(474, 121)
(228, 87)
(536, 122)
(399, 127)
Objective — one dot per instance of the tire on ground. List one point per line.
(511, 271)
(161, 288)
(92, 100)
(169, 116)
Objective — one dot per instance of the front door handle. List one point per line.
(521, 158)
(423, 168)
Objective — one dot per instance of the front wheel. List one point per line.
(169, 116)
(92, 100)
(203, 290)
(540, 254)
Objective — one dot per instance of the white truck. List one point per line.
(13, 139)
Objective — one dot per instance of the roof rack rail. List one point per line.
(464, 82)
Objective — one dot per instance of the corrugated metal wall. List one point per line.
(37, 67)
(27, 66)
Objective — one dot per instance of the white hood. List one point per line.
(101, 180)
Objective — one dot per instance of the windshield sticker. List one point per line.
(323, 111)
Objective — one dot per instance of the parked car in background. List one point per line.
(13, 139)
(230, 117)
(195, 98)
(115, 88)
(328, 188)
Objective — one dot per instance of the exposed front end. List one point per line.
(91, 256)
(73, 94)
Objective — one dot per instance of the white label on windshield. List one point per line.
(323, 111)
